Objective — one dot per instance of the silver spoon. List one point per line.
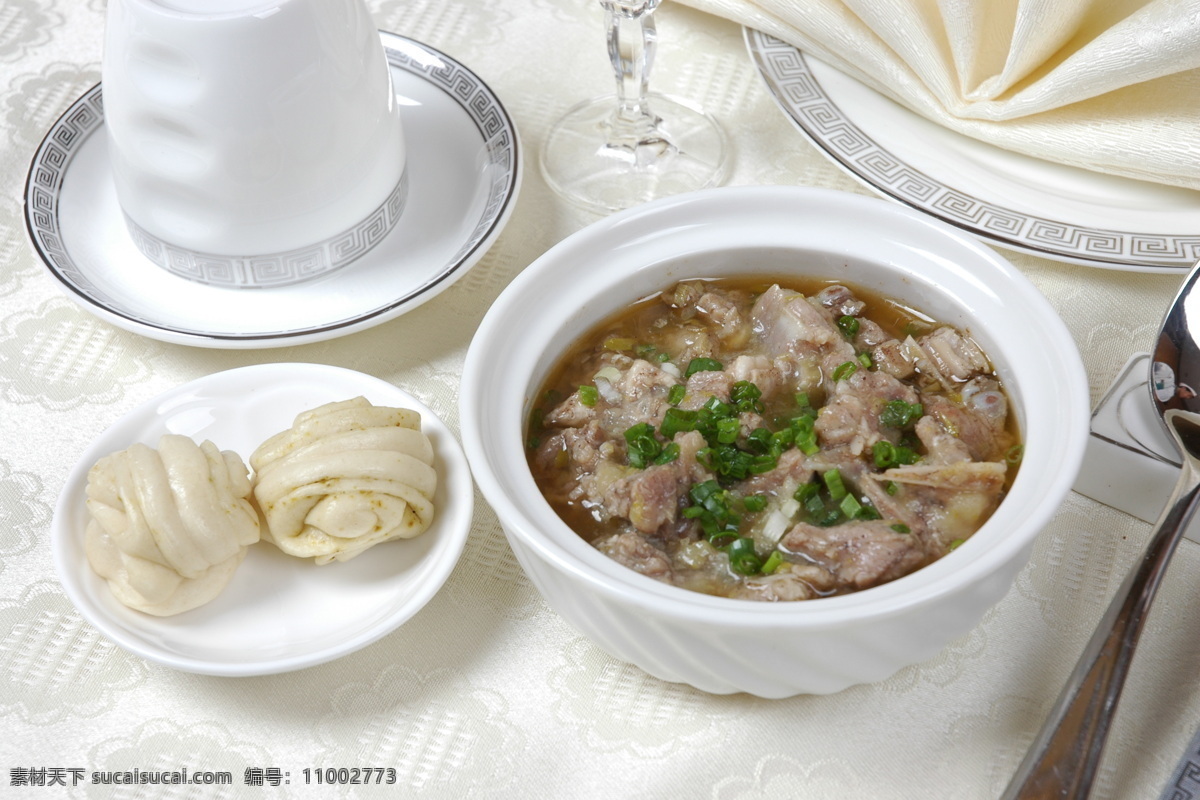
(1062, 761)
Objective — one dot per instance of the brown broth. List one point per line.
(650, 329)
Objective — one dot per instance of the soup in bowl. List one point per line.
(753, 253)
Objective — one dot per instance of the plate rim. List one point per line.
(40, 200)
(455, 475)
(1186, 247)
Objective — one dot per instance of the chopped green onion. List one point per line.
(743, 559)
(848, 325)
(899, 414)
(746, 397)
(664, 358)
(887, 455)
(815, 506)
(588, 395)
(833, 482)
(805, 491)
(760, 440)
(702, 365)
(773, 562)
(1015, 454)
(804, 434)
(845, 370)
(755, 502)
(710, 507)
(804, 404)
(900, 527)
(865, 360)
(676, 420)
(676, 394)
(884, 453)
(955, 544)
(727, 430)
(828, 518)
(850, 506)
(645, 350)
(730, 463)
(892, 488)
(668, 454)
(643, 447)
(718, 407)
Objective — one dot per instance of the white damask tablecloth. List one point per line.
(486, 692)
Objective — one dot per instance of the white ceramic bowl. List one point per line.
(724, 645)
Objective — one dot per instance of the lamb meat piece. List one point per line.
(584, 445)
(870, 335)
(892, 357)
(789, 582)
(643, 378)
(702, 386)
(578, 463)
(942, 503)
(725, 317)
(639, 395)
(763, 372)
(846, 422)
(690, 443)
(985, 435)
(860, 554)
(840, 301)
(570, 413)
(964, 476)
(956, 357)
(650, 498)
(792, 470)
(851, 418)
(983, 396)
(633, 550)
(653, 498)
(941, 447)
(790, 325)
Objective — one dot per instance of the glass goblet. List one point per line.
(610, 153)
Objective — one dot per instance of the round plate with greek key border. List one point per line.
(1007, 199)
(462, 180)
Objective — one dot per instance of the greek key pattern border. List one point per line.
(45, 182)
(86, 115)
(485, 111)
(796, 89)
(275, 269)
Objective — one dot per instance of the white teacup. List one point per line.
(253, 142)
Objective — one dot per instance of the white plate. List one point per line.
(463, 173)
(1008, 199)
(279, 613)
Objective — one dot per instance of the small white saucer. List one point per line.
(279, 613)
(464, 174)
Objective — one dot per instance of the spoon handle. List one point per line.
(1061, 762)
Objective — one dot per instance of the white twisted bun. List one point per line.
(169, 526)
(345, 477)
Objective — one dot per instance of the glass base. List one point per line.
(601, 161)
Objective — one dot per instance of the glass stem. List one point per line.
(631, 45)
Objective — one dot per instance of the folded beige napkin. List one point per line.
(1108, 85)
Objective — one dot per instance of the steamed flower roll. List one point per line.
(345, 477)
(169, 526)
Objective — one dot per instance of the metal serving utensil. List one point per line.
(1062, 761)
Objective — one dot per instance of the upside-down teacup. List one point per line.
(253, 142)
